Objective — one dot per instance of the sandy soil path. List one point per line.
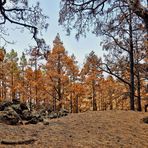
(100, 129)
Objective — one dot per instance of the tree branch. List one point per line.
(18, 23)
(113, 74)
(115, 40)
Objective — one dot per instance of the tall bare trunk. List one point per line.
(12, 87)
(94, 103)
(71, 103)
(59, 82)
(36, 89)
(30, 97)
(54, 101)
(132, 89)
(139, 108)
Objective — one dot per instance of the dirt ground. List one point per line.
(100, 129)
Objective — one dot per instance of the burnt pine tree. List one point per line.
(80, 15)
(91, 74)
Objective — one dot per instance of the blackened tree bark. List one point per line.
(131, 55)
(77, 104)
(71, 103)
(138, 77)
(94, 103)
(139, 108)
(59, 81)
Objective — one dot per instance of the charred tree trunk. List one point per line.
(54, 102)
(12, 86)
(94, 103)
(111, 104)
(59, 82)
(59, 93)
(23, 94)
(36, 89)
(131, 55)
(77, 103)
(1, 80)
(30, 98)
(71, 103)
(139, 108)
(4, 87)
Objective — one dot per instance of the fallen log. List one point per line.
(9, 142)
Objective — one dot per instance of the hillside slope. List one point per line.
(100, 129)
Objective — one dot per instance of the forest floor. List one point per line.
(99, 129)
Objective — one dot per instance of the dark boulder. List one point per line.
(53, 115)
(42, 112)
(33, 120)
(37, 116)
(9, 116)
(49, 110)
(15, 112)
(31, 117)
(26, 115)
(63, 112)
(23, 106)
(17, 108)
(4, 105)
(15, 101)
(45, 122)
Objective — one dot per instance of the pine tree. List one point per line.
(92, 73)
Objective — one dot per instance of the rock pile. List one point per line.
(15, 112)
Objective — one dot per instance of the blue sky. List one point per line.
(79, 48)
